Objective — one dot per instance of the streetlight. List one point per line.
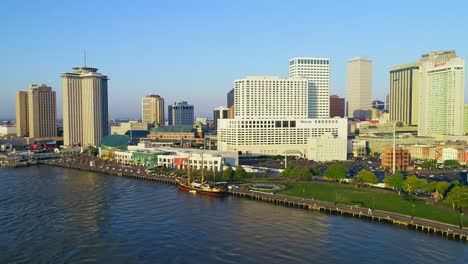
(413, 210)
(461, 220)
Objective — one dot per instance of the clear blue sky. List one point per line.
(194, 50)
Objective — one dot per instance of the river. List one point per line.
(57, 215)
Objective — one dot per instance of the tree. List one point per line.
(367, 177)
(442, 187)
(305, 174)
(415, 185)
(451, 164)
(240, 173)
(458, 199)
(336, 172)
(356, 182)
(266, 174)
(228, 174)
(428, 164)
(287, 170)
(396, 181)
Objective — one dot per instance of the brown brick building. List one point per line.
(402, 158)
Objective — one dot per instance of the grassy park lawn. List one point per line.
(366, 198)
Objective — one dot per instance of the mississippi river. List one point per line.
(56, 215)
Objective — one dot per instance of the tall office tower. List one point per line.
(230, 103)
(337, 106)
(359, 88)
(180, 114)
(272, 118)
(230, 98)
(404, 94)
(442, 94)
(317, 72)
(42, 111)
(152, 109)
(22, 123)
(219, 113)
(85, 107)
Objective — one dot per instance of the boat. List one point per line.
(201, 187)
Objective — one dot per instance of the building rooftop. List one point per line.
(173, 129)
(115, 141)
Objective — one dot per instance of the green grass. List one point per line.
(366, 197)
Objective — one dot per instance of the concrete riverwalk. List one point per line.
(139, 172)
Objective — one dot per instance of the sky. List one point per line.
(194, 50)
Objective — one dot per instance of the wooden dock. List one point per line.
(424, 225)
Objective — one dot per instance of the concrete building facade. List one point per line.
(219, 113)
(272, 118)
(152, 109)
(85, 107)
(442, 94)
(22, 111)
(180, 114)
(42, 108)
(317, 73)
(402, 159)
(337, 106)
(404, 94)
(359, 88)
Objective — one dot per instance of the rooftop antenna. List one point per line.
(85, 57)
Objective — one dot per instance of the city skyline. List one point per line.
(151, 63)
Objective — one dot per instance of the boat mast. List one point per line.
(202, 168)
(188, 169)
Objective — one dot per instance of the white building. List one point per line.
(442, 98)
(7, 130)
(272, 117)
(317, 72)
(357, 147)
(449, 153)
(359, 87)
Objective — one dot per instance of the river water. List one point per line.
(56, 215)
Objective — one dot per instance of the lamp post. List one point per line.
(412, 216)
(461, 220)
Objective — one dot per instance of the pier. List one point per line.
(423, 225)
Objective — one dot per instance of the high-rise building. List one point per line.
(230, 98)
(337, 106)
(219, 113)
(317, 72)
(152, 109)
(359, 88)
(36, 112)
(442, 94)
(180, 114)
(272, 118)
(404, 94)
(465, 119)
(42, 115)
(22, 110)
(85, 107)
(405, 87)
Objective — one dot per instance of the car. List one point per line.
(431, 176)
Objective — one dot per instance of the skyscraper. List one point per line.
(359, 88)
(219, 113)
(22, 121)
(317, 72)
(42, 111)
(152, 109)
(405, 86)
(404, 94)
(36, 112)
(85, 107)
(180, 113)
(442, 94)
(337, 106)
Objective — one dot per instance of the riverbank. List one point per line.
(134, 171)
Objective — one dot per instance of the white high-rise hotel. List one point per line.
(272, 117)
(442, 97)
(317, 72)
